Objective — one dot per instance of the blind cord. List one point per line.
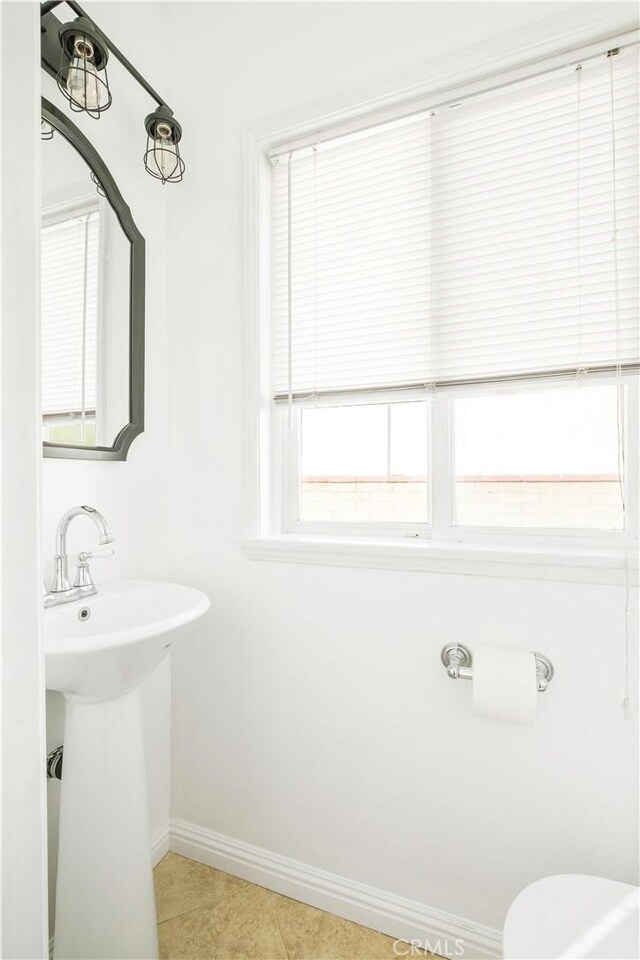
(289, 299)
(83, 373)
(578, 206)
(431, 231)
(315, 270)
(626, 701)
(289, 448)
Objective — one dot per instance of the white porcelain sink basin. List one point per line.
(103, 646)
(96, 653)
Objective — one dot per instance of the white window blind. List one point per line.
(69, 253)
(475, 241)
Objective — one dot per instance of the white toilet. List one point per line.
(572, 915)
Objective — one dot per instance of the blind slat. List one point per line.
(66, 366)
(468, 243)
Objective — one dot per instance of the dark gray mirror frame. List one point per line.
(130, 431)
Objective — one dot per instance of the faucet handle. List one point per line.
(83, 578)
(85, 555)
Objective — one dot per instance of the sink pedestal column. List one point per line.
(105, 907)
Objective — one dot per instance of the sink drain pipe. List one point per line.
(54, 764)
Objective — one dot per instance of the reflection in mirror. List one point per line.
(85, 304)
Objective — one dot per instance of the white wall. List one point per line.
(311, 715)
(133, 495)
(23, 904)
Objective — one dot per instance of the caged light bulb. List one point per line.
(84, 86)
(83, 83)
(82, 76)
(162, 157)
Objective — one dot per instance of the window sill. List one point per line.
(540, 563)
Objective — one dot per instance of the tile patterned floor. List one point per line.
(204, 914)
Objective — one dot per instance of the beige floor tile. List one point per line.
(376, 946)
(311, 934)
(183, 885)
(240, 927)
(205, 914)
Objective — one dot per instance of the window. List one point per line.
(454, 323)
(365, 463)
(70, 252)
(544, 458)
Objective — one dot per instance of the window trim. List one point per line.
(607, 558)
(611, 567)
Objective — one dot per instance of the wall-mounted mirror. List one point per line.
(93, 263)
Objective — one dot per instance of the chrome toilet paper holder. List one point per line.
(458, 661)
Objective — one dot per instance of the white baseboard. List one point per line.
(160, 844)
(440, 932)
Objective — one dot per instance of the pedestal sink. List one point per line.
(97, 651)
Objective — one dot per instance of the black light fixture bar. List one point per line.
(76, 55)
(50, 59)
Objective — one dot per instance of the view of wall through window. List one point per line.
(535, 458)
(365, 463)
(540, 458)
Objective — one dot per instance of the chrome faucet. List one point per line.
(61, 590)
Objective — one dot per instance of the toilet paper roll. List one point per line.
(504, 685)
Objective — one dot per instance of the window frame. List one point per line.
(440, 484)
(287, 485)
(271, 530)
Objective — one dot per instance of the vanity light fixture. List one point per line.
(46, 130)
(75, 54)
(82, 76)
(162, 157)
